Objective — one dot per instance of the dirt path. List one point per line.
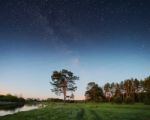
(80, 114)
(95, 115)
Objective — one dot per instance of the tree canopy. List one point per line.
(63, 81)
(94, 92)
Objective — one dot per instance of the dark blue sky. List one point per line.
(99, 40)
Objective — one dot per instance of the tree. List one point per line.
(147, 90)
(121, 85)
(63, 81)
(112, 85)
(136, 84)
(118, 91)
(107, 87)
(108, 94)
(129, 87)
(94, 92)
(147, 84)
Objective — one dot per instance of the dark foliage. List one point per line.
(129, 100)
(94, 93)
(117, 100)
(11, 98)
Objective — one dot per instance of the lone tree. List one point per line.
(63, 81)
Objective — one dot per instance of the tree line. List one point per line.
(127, 91)
(11, 98)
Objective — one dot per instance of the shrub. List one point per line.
(147, 100)
(129, 100)
(117, 99)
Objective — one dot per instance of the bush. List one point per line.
(117, 100)
(129, 100)
(147, 101)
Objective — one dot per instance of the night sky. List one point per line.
(99, 40)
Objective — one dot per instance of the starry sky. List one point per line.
(98, 40)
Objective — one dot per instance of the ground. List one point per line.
(85, 111)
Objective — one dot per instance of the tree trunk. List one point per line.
(64, 90)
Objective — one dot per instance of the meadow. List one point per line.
(84, 111)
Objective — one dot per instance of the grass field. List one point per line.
(88, 111)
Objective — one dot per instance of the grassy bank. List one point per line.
(88, 111)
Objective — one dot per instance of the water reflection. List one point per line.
(23, 108)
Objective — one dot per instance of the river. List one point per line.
(23, 108)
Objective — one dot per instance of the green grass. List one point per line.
(88, 111)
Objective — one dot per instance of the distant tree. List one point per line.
(72, 96)
(147, 90)
(112, 85)
(107, 87)
(147, 84)
(121, 85)
(128, 87)
(11, 98)
(136, 84)
(107, 92)
(136, 88)
(113, 88)
(94, 92)
(63, 81)
(142, 84)
(118, 91)
(90, 85)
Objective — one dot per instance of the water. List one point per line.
(24, 108)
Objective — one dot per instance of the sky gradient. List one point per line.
(98, 40)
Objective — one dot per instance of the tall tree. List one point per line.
(118, 91)
(128, 86)
(112, 85)
(147, 84)
(147, 90)
(63, 81)
(94, 92)
(121, 85)
(107, 87)
(108, 94)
